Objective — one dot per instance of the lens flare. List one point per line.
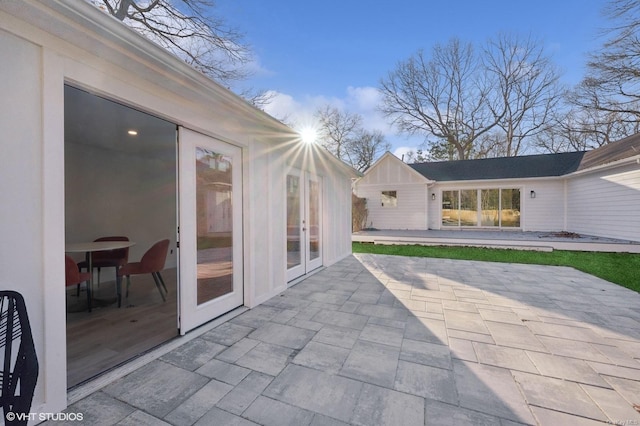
(309, 135)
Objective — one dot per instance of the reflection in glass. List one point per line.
(314, 219)
(490, 205)
(214, 224)
(510, 213)
(294, 256)
(389, 198)
(450, 216)
(469, 207)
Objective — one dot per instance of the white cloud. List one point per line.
(299, 112)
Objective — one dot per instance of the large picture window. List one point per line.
(493, 207)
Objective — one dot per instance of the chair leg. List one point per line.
(155, 278)
(98, 277)
(128, 284)
(162, 282)
(88, 285)
(119, 289)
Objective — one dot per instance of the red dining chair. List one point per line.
(152, 262)
(73, 276)
(107, 258)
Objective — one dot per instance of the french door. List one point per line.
(304, 224)
(211, 277)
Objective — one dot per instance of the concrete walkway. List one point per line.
(384, 340)
(510, 239)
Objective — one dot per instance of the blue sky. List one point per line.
(336, 52)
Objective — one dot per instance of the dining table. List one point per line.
(92, 246)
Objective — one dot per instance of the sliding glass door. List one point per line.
(492, 207)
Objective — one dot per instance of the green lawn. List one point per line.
(619, 268)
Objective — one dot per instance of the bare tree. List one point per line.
(442, 97)
(337, 129)
(459, 99)
(613, 77)
(365, 148)
(528, 90)
(417, 156)
(185, 28)
(583, 129)
(342, 133)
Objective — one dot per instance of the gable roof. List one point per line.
(624, 148)
(530, 166)
(526, 166)
(387, 158)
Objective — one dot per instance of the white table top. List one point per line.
(96, 246)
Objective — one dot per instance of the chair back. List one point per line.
(117, 254)
(154, 259)
(72, 274)
(17, 356)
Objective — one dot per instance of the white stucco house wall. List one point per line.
(595, 193)
(52, 51)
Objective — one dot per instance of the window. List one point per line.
(450, 211)
(389, 199)
(481, 207)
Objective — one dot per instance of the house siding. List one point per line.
(545, 212)
(410, 212)
(391, 174)
(605, 203)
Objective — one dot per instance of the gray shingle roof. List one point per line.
(529, 166)
(624, 148)
(525, 166)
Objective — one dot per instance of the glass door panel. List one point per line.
(214, 210)
(211, 252)
(510, 212)
(294, 221)
(314, 222)
(489, 205)
(469, 207)
(450, 212)
(314, 219)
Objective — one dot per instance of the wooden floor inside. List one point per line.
(109, 336)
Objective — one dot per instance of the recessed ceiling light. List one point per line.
(132, 132)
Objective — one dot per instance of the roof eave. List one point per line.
(65, 18)
(601, 167)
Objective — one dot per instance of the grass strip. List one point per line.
(620, 268)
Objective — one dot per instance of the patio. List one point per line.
(376, 340)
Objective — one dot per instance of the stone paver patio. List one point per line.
(384, 340)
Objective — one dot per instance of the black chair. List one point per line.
(19, 360)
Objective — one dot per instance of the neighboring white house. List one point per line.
(595, 192)
(73, 82)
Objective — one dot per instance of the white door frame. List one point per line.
(190, 313)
